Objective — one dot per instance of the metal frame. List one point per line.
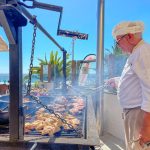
(100, 66)
(14, 35)
(40, 27)
(91, 137)
(6, 25)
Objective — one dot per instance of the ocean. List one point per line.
(4, 78)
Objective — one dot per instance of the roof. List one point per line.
(3, 45)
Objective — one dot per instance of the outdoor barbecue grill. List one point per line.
(50, 102)
(87, 124)
(11, 10)
(31, 107)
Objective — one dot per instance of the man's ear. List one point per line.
(131, 38)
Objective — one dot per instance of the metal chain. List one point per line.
(31, 59)
(79, 134)
(36, 98)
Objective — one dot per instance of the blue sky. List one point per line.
(81, 16)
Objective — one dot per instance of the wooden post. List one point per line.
(41, 74)
(49, 73)
(73, 72)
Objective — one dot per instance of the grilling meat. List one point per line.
(71, 120)
(77, 105)
(47, 124)
(61, 100)
(39, 91)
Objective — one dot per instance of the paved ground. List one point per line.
(109, 142)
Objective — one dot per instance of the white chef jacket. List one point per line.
(134, 84)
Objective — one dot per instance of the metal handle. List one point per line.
(28, 0)
(47, 6)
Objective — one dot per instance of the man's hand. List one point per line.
(112, 82)
(145, 130)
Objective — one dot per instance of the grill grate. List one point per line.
(63, 132)
(31, 107)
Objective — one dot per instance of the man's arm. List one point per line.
(145, 129)
(141, 68)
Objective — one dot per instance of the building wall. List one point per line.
(113, 122)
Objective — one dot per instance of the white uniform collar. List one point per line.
(135, 47)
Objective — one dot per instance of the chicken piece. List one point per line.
(44, 132)
(35, 123)
(28, 126)
(66, 127)
(39, 126)
(57, 129)
(58, 123)
(68, 116)
(41, 110)
(43, 116)
(48, 130)
(73, 111)
(47, 115)
(71, 120)
(26, 100)
(49, 121)
(40, 117)
(76, 121)
(27, 130)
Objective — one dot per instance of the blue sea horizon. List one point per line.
(4, 78)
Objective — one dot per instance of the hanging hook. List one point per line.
(33, 21)
(27, 6)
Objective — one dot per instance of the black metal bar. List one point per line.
(9, 14)
(23, 4)
(72, 34)
(39, 26)
(34, 146)
(42, 146)
(47, 6)
(15, 69)
(13, 30)
(64, 69)
(10, 31)
(14, 15)
(87, 61)
(2, 2)
(59, 22)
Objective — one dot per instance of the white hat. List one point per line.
(127, 27)
(3, 45)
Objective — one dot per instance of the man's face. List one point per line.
(123, 41)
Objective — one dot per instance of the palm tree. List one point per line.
(110, 60)
(56, 63)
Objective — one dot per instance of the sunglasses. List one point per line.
(118, 41)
